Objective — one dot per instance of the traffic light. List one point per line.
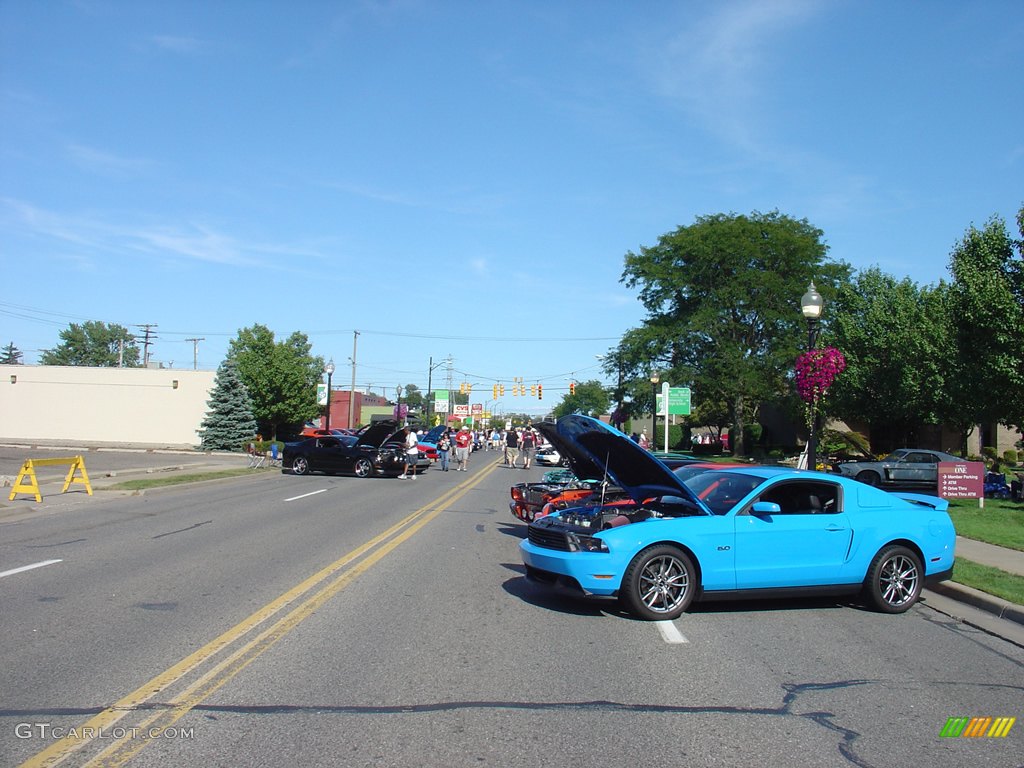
(494, 392)
(540, 391)
(501, 390)
(469, 389)
(572, 387)
(533, 390)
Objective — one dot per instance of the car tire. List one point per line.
(363, 468)
(894, 580)
(300, 465)
(869, 477)
(660, 583)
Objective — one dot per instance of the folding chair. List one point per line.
(256, 458)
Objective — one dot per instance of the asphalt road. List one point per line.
(280, 620)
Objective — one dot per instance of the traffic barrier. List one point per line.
(28, 472)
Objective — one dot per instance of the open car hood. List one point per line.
(376, 434)
(595, 450)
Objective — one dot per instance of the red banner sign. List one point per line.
(961, 481)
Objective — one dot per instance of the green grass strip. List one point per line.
(1000, 522)
(159, 482)
(990, 580)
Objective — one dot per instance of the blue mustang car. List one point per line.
(738, 532)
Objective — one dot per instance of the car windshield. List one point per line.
(687, 471)
(720, 491)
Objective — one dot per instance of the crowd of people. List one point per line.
(518, 445)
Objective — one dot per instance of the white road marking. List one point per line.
(303, 496)
(28, 567)
(670, 632)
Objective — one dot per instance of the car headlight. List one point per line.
(580, 543)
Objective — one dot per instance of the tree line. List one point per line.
(722, 301)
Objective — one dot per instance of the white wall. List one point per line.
(103, 406)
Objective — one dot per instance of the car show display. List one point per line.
(729, 533)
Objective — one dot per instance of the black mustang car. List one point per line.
(377, 449)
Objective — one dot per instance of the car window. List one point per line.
(327, 442)
(804, 497)
(720, 491)
(921, 458)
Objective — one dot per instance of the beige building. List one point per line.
(146, 407)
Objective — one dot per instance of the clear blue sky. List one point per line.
(465, 178)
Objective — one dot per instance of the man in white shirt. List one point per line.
(412, 454)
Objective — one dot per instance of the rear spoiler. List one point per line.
(934, 502)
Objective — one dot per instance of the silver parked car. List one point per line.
(903, 467)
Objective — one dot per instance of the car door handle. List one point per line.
(834, 527)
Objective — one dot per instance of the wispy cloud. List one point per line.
(446, 201)
(178, 44)
(106, 163)
(716, 69)
(97, 239)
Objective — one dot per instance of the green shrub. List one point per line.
(1010, 456)
(989, 452)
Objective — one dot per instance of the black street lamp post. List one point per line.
(655, 378)
(329, 370)
(811, 305)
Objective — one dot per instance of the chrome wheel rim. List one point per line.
(299, 466)
(362, 468)
(664, 583)
(898, 580)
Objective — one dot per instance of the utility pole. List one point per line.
(195, 352)
(352, 391)
(148, 330)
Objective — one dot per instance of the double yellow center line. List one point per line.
(302, 600)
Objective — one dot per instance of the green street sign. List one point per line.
(678, 402)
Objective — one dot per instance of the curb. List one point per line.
(1000, 608)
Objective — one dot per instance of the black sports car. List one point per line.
(377, 449)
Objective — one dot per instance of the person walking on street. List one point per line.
(444, 444)
(412, 454)
(527, 445)
(463, 445)
(511, 447)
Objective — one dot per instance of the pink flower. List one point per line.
(816, 370)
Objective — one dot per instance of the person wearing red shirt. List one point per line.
(463, 442)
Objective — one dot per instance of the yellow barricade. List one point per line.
(28, 472)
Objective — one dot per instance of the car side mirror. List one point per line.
(765, 508)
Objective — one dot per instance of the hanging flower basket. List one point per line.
(816, 370)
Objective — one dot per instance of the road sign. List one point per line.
(678, 402)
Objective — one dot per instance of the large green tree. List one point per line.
(722, 299)
(281, 377)
(94, 343)
(229, 424)
(590, 399)
(893, 335)
(986, 312)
